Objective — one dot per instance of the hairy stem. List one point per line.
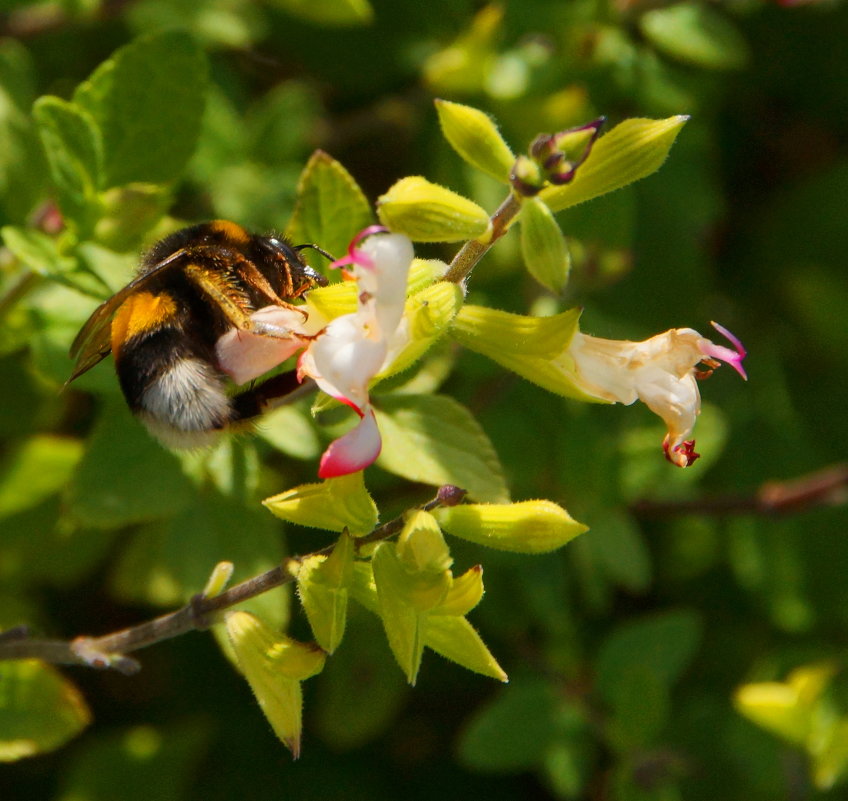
(474, 250)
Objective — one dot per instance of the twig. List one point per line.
(109, 650)
(474, 250)
(828, 487)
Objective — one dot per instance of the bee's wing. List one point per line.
(93, 342)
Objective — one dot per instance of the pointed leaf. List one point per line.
(476, 138)
(274, 666)
(39, 709)
(333, 504)
(696, 33)
(465, 593)
(428, 212)
(322, 585)
(331, 208)
(543, 246)
(525, 527)
(158, 78)
(665, 643)
(404, 625)
(630, 151)
(455, 639)
(74, 154)
(434, 439)
(774, 706)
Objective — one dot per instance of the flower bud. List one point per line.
(427, 212)
(476, 138)
(525, 527)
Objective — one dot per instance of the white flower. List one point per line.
(342, 355)
(353, 348)
(660, 371)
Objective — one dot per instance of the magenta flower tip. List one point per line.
(354, 254)
(732, 357)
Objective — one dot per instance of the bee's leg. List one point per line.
(281, 389)
(232, 307)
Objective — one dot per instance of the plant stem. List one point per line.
(474, 250)
(108, 651)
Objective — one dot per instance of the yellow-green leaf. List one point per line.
(274, 666)
(525, 527)
(333, 504)
(630, 151)
(456, 639)
(476, 138)
(322, 585)
(402, 623)
(465, 593)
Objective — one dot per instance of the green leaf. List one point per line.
(274, 666)
(476, 138)
(695, 33)
(35, 471)
(128, 763)
(428, 212)
(148, 100)
(630, 151)
(331, 208)
(434, 439)
(663, 643)
(525, 527)
(322, 585)
(39, 709)
(511, 733)
(334, 504)
(640, 708)
(74, 154)
(42, 254)
(22, 167)
(543, 246)
(125, 476)
(290, 430)
(341, 13)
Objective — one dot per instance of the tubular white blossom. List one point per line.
(659, 371)
(353, 348)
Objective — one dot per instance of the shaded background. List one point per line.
(746, 224)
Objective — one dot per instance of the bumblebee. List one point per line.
(191, 288)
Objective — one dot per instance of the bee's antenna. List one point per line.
(315, 247)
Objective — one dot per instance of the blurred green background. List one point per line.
(624, 649)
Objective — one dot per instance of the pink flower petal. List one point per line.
(244, 356)
(354, 451)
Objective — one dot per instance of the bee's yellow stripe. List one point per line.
(139, 313)
(232, 232)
